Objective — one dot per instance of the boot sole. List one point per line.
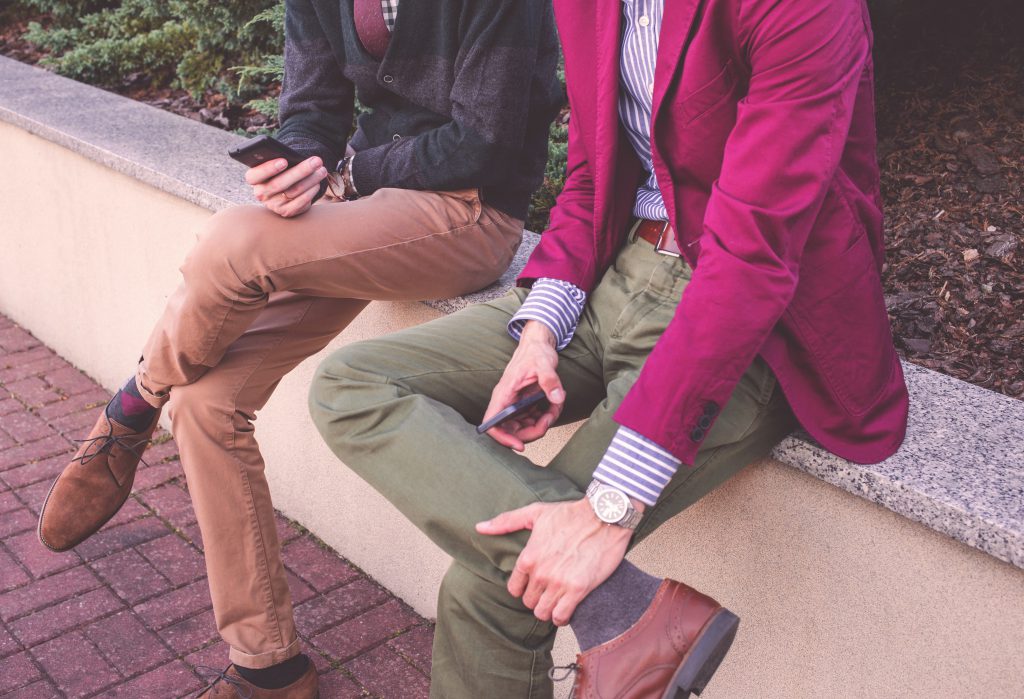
(701, 662)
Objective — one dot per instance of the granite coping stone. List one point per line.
(960, 470)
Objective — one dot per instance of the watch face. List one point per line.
(610, 506)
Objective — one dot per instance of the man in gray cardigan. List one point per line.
(433, 187)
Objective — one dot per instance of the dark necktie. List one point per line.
(373, 32)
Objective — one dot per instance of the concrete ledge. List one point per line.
(181, 157)
(961, 470)
(835, 592)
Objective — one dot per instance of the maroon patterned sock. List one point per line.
(129, 408)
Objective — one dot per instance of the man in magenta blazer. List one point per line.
(709, 279)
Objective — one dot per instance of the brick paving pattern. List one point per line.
(127, 613)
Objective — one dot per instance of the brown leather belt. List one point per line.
(660, 235)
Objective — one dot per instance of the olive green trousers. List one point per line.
(400, 411)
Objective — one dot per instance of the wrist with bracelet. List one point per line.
(349, 191)
(612, 506)
(340, 181)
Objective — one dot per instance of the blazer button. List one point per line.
(704, 422)
(389, 79)
(697, 434)
(711, 408)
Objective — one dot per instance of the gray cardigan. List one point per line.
(462, 99)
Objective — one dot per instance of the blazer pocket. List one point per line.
(842, 321)
(704, 99)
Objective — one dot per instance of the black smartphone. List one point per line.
(505, 413)
(259, 150)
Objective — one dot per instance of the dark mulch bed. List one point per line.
(950, 108)
(951, 128)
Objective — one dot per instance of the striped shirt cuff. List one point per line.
(555, 303)
(636, 466)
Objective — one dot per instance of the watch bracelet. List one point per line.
(633, 516)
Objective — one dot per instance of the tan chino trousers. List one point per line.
(260, 294)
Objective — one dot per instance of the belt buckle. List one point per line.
(661, 239)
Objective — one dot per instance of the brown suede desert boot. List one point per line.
(671, 651)
(230, 685)
(94, 486)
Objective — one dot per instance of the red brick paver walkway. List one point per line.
(127, 613)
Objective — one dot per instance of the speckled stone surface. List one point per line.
(960, 470)
(498, 288)
(177, 155)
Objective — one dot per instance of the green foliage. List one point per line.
(63, 11)
(269, 67)
(186, 43)
(554, 177)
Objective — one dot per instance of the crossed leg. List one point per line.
(400, 411)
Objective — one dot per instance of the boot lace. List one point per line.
(105, 442)
(560, 673)
(208, 673)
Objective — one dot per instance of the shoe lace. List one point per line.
(560, 673)
(104, 442)
(207, 673)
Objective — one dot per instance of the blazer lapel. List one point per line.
(676, 24)
(609, 21)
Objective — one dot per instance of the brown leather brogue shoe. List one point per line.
(671, 651)
(230, 685)
(94, 486)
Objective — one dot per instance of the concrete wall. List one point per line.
(839, 597)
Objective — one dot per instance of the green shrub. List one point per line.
(269, 67)
(554, 177)
(181, 43)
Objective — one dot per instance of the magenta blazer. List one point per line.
(764, 149)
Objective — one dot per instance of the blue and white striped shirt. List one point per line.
(632, 463)
(641, 28)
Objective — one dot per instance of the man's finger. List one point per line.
(565, 608)
(508, 522)
(547, 603)
(300, 204)
(305, 184)
(517, 582)
(534, 591)
(505, 438)
(549, 382)
(264, 171)
(532, 432)
(286, 179)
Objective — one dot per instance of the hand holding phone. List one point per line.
(281, 178)
(262, 149)
(520, 407)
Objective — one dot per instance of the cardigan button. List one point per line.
(396, 137)
(389, 79)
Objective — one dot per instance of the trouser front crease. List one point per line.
(260, 295)
(400, 411)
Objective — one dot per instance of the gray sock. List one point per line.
(613, 606)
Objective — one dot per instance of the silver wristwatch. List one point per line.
(612, 506)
